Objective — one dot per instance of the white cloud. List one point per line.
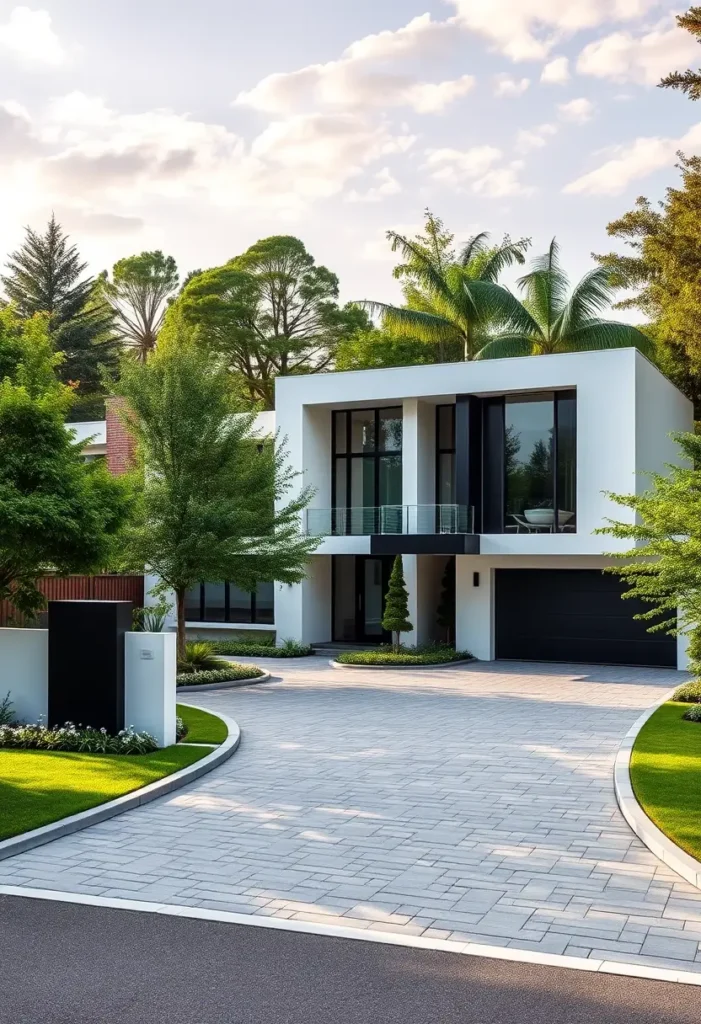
(477, 168)
(556, 72)
(534, 138)
(643, 58)
(529, 29)
(506, 86)
(577, 111)
(368, 74)
(640, 158)
(385, 185)
(28, 35)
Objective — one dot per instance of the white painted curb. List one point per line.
(76, 822)
(655, 840)
(508, 953)
(207, 687)
(405, 668)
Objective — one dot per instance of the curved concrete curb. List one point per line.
(76, 822)
(223, 686)
(655, 840)
(405, 668)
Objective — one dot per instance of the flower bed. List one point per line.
(232, 673)
(387, 656)
(75, 738)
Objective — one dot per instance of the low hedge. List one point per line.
(386, 655)
(689, 693)
(244, 649)
(230, 674)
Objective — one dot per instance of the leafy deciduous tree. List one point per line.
(270, 312)
(663, 566)
(213, 500)
(138, 293)
(44, 276)
(56, 512)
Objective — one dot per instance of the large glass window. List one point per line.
(225, 602)
(540, 462)
(367, 467)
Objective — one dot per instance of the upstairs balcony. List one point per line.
(399, 529)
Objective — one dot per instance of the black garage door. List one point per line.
(574, 615)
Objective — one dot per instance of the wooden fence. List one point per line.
(82, 588)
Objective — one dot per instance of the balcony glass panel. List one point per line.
(528, 441)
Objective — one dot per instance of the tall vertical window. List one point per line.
(367, 466)
(445, 454)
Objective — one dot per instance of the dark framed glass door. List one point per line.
(371, 584)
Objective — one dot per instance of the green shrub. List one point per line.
(231, 673)
(693, 714)
(180, 729)
(6, 713)
(689, 693)
(199, 656)
(427, 654)
(76, 738)
(244, 649)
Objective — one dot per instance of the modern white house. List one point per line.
(498, 471)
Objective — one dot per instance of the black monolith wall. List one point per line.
(86, 662)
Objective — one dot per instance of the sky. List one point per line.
(197, 128)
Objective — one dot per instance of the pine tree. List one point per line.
(396, 617)
(687, 81)
(445, 613)
(45, 277)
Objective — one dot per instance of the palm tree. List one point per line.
(454, 304)
(549, 321)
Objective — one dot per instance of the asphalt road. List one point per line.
(62, 963)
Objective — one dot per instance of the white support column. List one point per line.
(474, 607)
(303, 610)
(411, 578)
(410, 452)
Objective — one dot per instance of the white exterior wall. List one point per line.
(150, 661)
(24, 672)
(303, 610)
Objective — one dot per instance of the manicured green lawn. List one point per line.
(666, 775)
(201, 726)
(41, 786)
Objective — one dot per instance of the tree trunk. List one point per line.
(397, 641)
(180, 599)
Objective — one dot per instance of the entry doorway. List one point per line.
(360, 584)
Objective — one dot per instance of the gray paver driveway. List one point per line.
(475, 802)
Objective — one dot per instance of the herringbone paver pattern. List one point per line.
(472, 803)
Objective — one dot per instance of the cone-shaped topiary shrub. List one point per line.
(396, 617)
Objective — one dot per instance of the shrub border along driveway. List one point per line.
(404, 668)
(655, 840)
(76, 822)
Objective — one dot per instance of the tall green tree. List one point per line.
(138, 293)
(661, 270)
(45, 275)
(688, 81)
(268, 313)
(453, 303)
(396, 616)
(551, 319)
(56, 512)
(215, 501)
(663, 565)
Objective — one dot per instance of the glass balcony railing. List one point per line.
(396, 519)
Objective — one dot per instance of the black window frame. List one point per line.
(348, 455)
(227, 620)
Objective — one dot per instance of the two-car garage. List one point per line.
(575, 615)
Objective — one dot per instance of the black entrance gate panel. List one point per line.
(574, 615)
(86, 662)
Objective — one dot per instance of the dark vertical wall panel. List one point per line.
(86, 662)
(468, 455)
(493, 466)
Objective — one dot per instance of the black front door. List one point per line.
(371, 583)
